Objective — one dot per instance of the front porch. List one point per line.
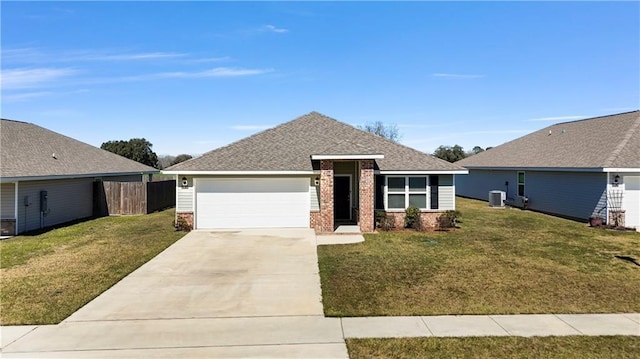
(347, 196)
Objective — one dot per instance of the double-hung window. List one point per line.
(405, 191)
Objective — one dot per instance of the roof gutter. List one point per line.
(84, 175)
(543, 169)
(237, 173)
(634, 170)
(427, 172)
(348, 157)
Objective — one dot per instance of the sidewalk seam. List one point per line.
(572, 327)
(503, 328)
(427, 326)
(4, 347)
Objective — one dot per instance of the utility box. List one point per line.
(497, 198)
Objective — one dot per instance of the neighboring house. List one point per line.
(312, 172)
(47, 178)
(580, 170)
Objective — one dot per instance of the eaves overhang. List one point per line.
(72, 176)
(236, 173)
(377, 156)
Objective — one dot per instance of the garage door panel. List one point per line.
(252, 203)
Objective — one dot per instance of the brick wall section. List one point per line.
(366, 218)
(429, 219)
(315, 220)
(326, 196)
(187, 216)
(616, 218)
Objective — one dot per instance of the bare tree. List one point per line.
(389, 131)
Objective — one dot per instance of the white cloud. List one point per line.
(33, 77)
(250, 127)
(128, 57)
(25, 96)
(271, 28)
(210, 59)
(35, 55)
(456, 76)
(215, 72)
(559, 118)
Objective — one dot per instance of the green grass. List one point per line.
(497, 347)
(46, 277)
(500, 261)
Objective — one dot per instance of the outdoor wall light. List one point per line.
(317, 181)
(185, 183)
(616, 179)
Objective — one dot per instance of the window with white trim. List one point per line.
(405, 191)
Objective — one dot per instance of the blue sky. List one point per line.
(194, 76)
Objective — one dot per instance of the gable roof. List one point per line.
(289, 147)
(27, 153)
(601, 142)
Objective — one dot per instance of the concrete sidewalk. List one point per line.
(253, 293)
(284, 337)
(523, 325)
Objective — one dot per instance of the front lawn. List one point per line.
(497, 347)
(46, 277)
(500, 261)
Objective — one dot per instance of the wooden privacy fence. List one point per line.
(132, 197)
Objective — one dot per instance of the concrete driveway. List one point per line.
(249, 293)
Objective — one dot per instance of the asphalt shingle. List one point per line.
(28, 150)
(289, 146)
(602, 142)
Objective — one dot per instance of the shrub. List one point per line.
(411, 217)
(384, 221)
(448, 219)
(181, 224)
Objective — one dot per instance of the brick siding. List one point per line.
(187, 216)
(429, 219)
(366, 218)
(315, 221)
(326, 196)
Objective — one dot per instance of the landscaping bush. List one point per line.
(384, 221)
(448, 219)
(181, 224)
(412, 217)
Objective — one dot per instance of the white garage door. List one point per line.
(252, 203)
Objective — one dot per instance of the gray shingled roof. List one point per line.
(288, 147)
(27, 151)
(601, 142)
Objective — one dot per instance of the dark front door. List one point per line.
(341, 198)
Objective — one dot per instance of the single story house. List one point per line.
(47, 178)
(581, 170)
(311, 172)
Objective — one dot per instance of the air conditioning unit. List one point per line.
(496, 198)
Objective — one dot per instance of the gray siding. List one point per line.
(478, 183)
(314, 192)
(578, 195)
(7, 200)
(571, 194)
(446, 193)
(184, 196)
(184, 201)
(68, 200)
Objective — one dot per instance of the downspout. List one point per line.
(606, 197)
(16, 211)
